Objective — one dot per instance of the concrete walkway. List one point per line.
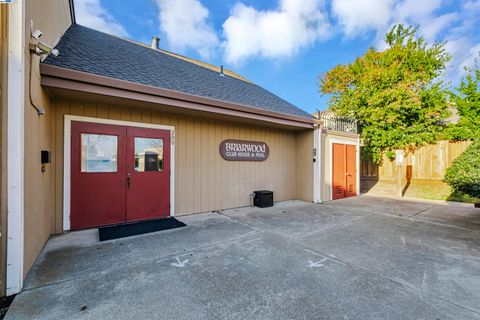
(358, 258)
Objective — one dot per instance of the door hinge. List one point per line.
(172, 137)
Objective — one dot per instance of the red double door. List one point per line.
(118, 174)
(344, 175)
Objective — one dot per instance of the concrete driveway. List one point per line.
(358, 258)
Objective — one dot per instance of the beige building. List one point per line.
(109, 131)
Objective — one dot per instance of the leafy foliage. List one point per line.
(464, 173)
(394, 94)
(467, 103)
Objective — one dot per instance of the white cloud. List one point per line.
(438, 20)
(358, 16)
(464, 51)
(414, 9)
(472, 5)
(463, 40)
(90, 13)
(472, 55)
(184, 22)
(274, 34)
(431, 29)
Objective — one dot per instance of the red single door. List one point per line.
(148, 173)
(351, 171)
(338, 167)
(97, 175)
(344, 175)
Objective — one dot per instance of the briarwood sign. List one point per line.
(240, 150)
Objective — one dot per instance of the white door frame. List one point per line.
(67, 158)
(15, 146)
(357, 168)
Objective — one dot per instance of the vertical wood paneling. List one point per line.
(114, 113)
(428, 163)
(62, 108)
(211, 159)
(136, 115)
(125, 114)
(203, 180)
(304, 176)
(90, 110)
(76, 108)
(53, 18)
(102, 111)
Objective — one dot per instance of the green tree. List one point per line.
(395, 94)
(466, 100)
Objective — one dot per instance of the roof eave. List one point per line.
(63, 78)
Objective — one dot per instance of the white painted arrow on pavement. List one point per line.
(317, 264)
(179, 264)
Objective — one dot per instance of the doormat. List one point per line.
(135, 228)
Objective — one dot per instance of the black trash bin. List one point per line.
(263, 198)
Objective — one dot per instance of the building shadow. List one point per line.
(367, 183)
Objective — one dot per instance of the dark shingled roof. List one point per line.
(88, 50)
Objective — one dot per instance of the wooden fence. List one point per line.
(426, 163)
(427, 166)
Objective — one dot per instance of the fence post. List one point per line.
(399, 159)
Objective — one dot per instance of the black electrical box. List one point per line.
(45, 156)
(263, 198)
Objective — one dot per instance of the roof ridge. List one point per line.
(178, 56)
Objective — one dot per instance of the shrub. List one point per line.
(464, 173)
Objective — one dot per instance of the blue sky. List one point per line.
(285, 45)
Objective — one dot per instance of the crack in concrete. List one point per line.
(421, 211)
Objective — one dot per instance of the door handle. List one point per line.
(128, 180)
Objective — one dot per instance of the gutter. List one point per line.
(63, 78)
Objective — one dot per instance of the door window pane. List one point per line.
(99, 153)
(148, 154)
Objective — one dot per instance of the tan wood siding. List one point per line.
(203, 180)
(304, 164)
(52, 17)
